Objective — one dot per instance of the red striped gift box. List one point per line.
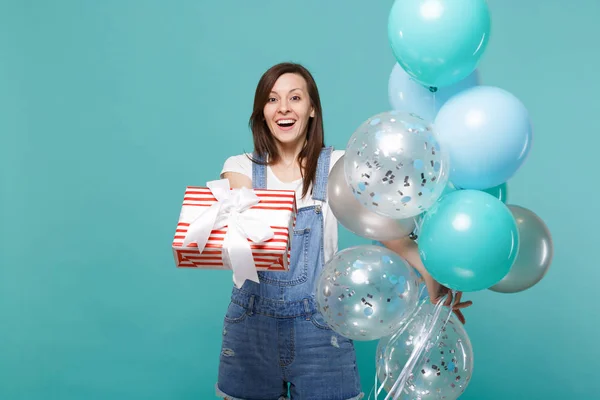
(276, 207)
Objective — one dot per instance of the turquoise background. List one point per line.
(109, 109)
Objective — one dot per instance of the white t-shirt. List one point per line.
(243, 165)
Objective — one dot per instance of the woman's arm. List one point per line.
(408, 249)
(237, 180)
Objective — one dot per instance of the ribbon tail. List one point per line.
(237, 255)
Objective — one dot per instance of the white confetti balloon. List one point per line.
(395, 165)
(367, 292)
(444, 369)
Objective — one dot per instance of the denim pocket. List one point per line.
(298, 272)
(319, 321)
(235, 313)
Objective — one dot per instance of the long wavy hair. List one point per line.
(264, 142)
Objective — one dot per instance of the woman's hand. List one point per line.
(438, 291)
(408, 250)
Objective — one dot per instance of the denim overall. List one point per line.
(273, 335)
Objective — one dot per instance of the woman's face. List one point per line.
(288, 109)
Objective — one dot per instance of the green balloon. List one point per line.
(468, 240)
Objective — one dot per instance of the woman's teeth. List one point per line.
(286, 122)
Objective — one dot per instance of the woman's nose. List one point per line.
(283, 106)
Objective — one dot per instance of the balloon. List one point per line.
(500, 192)
(488, 134)
(358, 219)
(536, 251)
(422, 289)
(419, 219)
(468, 240)
(366, 292)
(407, 95)
(395, 166)
(443, 372)
(439, 42)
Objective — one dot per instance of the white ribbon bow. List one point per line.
(229, 211)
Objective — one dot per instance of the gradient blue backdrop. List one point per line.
(109, 109)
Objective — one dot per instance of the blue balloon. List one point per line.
(487, 132)
(439, 42)
(469, 240)
(407, 95)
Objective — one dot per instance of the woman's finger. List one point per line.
(448, 301)
(460, 316)
(464, 304)
(458, 297)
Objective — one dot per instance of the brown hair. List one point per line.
(264, 142)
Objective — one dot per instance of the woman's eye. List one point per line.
(296, 98)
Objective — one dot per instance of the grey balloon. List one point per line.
(536, 251)
(357, 218)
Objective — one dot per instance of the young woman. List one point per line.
(274, 339)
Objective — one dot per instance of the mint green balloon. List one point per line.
(468, 240)
(439, 42)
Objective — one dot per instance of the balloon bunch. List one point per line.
(435, 169)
